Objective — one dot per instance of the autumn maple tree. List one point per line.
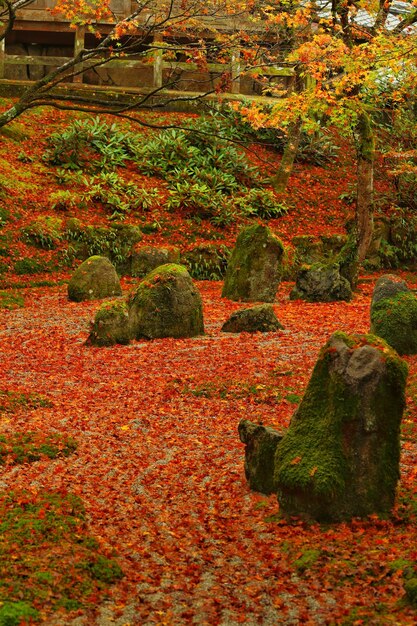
(352, 60)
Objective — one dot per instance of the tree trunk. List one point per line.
(280, 180)
(365, 175)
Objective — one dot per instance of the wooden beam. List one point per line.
(2, 56)
(79, 45)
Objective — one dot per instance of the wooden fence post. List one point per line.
(79, 43)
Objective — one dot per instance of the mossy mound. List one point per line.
(388, 286)
(94, 279)
(114, 242)
(395, 320)
(144, 259)
(111, 325)
(166, 304)
(49, 559)
(255, 266)
(45, 232)
(340, 456)
(207, 261)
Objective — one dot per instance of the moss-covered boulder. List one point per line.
(395, 320)
(259, 318)
(340, 456)
(144, 259)
(94, 279)
(166, 304)
(111, 325)
(255, 266)
(321, 282)
(388, 286)
(260, 447)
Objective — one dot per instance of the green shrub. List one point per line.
(64, 200)
(30, 266)
(10, 300)
(44, 232)
(91, 145)
(207, 262)
(261, 203)
(17, 613)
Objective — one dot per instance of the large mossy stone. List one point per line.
(321, 282)
(260, 447)
(395, 320)
(255, 266)
(340, 456)
(111, 325)
(94, 279)
(388, 286)
(259, 318)
(166, 304)
(144, 259)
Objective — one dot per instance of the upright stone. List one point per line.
(94, 279)
(255, 266)
(166, 304)
(260, 447)
(340, 456)
(388, 286)
(394, 314)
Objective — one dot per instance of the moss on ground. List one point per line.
(49, 559)
(32, 446)
(11, 300)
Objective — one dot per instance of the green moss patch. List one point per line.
(49, 561)
(32, 446)
(10, 300)
(306, 560)
(29, 265)
(12, 401)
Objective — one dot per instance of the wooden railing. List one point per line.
(37, 17)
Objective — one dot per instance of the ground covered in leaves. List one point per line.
(123, 497)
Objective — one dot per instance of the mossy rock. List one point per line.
(166, 304)
(259, 318)
(321, 282)
(395, 320)
(94, 279)
(340, 456)
(260, 447)
(388, 286)
(255, 266)
(45, 232)
(111, 325)
(144, 259)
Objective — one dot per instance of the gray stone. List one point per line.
(166, 304)
(261, 443)
(321, 283)
(94, 279)
(340, 456)
(256, 319)
(255, 266)
(387, 286)
(111, 325)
